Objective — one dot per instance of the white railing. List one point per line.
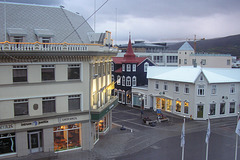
(37, 46)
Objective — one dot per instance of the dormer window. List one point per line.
(46, 39)
(17, 39)
(44, 35)
(16, 34)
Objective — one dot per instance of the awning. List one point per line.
(16, 32)
(43, 33)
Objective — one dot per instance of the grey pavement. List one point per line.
(141, 141)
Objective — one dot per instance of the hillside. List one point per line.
(224, 45)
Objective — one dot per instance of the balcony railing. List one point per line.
(69, 47)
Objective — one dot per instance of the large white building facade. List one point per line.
(193, 92)
(54, 93)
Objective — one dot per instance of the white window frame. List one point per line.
(156, 86)
(200, 90)
(118, 80)
(232, 89)
(165, 86)
(128, 81)
(186, 88)
(176, 87)
(123, 80)
(128, 67)
(123, 67)
(134, 81)
(134, 67)
(214, 89)
(146, 64)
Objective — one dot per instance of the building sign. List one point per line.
(34, 123)
(6, 127)
(67, 119)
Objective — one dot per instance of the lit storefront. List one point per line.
(7, 144)
(164, 104)
(67, 137)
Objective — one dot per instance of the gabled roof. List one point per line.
(186, 47)
(189, 74)
(31, 19)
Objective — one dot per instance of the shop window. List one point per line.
(186, 107)
(214, 89)
(123, 97)
(21, 107)
(178, 106)
(169, 104)
(67, 137)
(74, 71)
(74, 102)
(19, 73)
(129, 97)
(48, 104)
(104, 124)
(232, 107)
(212, 109)
(222, 108)
(48, 72)
(7, 143)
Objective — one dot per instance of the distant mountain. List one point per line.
(224, 45)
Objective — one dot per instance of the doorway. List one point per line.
(200, 111)
(35, 141)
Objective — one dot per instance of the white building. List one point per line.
(187, 57)
(192, 91)
(54, 93)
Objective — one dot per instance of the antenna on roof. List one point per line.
(62, 6)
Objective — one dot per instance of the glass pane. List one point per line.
(20, 109)
(74, 103)
(48, 106)
(7, 145)
(200, 111)
(60, 140)
(73, 139)
(20, 75)
(222, 108)
(34, 140)
(73, 73)
(48, 74)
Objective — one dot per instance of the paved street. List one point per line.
(142, 142)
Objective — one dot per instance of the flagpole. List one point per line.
(183, 140)
(236, 147)
(207, 141)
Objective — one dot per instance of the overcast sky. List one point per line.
(157, 20)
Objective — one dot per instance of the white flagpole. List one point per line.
(236, 147)
(183, 138)
(207, 136)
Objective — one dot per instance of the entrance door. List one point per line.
(34, 141)
(200, 111)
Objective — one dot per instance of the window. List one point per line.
(186, 106)
(19, 73)
(128, 67)
(108, 68)
(48, 72)
(172, 59)
(203, 62)
(194, 61)
(46, 39)
(74, 102)
(123, 67)
(112, 66)
(134, 67)
(17, 39)
(158, 59)
(113, 80)
(201, 78)
(134, 81)
(186, 89)
(228, 62)
(128, 81)
(214, 89)
(156, 85)
(8, 144)
(165, 86)
(118, 80)
(146, 64)
(74, 71)
(178, 106)
(222, 108)
(21, 107)
(48, 104)
(179, 61)
(176, 87)
(99, 69)
(200, 91)
(212, 109)
(123, 81)
(232, 88)
(185, 61)
(232, 107)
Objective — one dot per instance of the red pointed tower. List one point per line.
(129, 56)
